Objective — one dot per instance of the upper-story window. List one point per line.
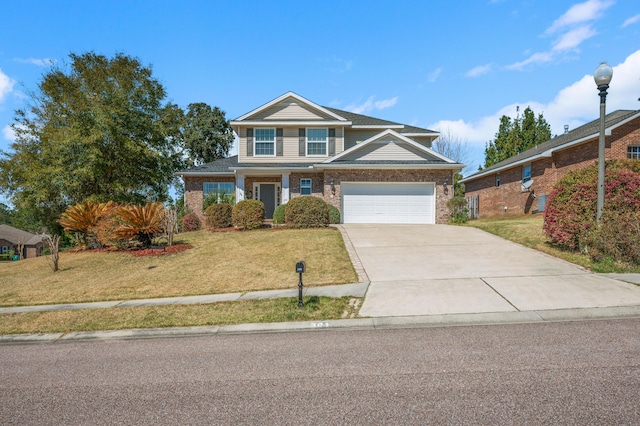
(633, 152)
(317, 141)
(526, 173)
(265, 141)
(497, 179)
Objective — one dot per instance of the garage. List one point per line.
(388, 202)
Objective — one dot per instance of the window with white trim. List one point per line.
(633, 152)
(5, 250)
(526, 173)
(317, 141)
(305, 186)
(265, 142)
(225, 191)
(497, 179)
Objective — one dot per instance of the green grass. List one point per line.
(224, 313)
(226, 262)
(527, 230)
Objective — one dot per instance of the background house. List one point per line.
(372, 170)
(521, 184)
(10, 238)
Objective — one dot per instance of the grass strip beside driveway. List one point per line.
(228, 262)
(316, 308)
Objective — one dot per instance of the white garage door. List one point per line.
(384, 202)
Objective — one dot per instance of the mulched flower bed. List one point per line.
(160, 250)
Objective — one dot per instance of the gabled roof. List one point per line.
(364, 122)
(15, 235)
(432, 157)
(576, 136)
(282, 98)
(338, 116)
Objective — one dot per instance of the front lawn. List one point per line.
(224, 262)
(527, 230)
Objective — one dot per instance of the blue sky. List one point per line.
(451, 66)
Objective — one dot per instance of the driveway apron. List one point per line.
(442, 269)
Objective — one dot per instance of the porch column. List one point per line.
(239, 187)
(285, 188)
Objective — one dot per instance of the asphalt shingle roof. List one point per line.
(591, 128)
(14, 235)
(365, 120)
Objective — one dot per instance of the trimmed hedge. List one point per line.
(278, 215)
(306, 212)
(218, 215)
(248, 214)
(334, 215)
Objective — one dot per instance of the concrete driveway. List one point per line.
(441, 269)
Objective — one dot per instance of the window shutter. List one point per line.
(332, 142)
(250, 142)
(302, 151)
(279, 142)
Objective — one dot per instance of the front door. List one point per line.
(267, 195)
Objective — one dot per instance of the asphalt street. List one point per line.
(584, 373)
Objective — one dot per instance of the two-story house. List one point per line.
(372, 170)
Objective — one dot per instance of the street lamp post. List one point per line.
(602, 75)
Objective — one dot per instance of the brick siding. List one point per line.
(509, 198)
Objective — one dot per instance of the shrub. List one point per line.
(190, 222)
(334, 215)
(306, 212)
(569, 219)
(80, 218)
(141, 222)
(218, 215)
(278, 215)
(248, 214)
(105, 230)
(458, 210)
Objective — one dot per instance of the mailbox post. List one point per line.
(300, 269)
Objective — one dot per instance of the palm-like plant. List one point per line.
(141, 222)
(81, 218)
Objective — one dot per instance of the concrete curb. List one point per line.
(356, 323)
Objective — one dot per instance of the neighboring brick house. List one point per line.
(372, 170)
(11, 237)
(521, 184)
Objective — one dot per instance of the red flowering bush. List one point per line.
(570, 216)
(190, 222)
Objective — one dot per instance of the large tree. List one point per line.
(516, 136)
(207, 134)
(97, 129)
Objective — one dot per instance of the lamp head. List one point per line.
(603, 74)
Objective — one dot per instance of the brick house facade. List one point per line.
(372, 170)
(499, 189)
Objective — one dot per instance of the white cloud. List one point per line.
(631, 20)
(536, 58)
(574, 105)
(580, 13)
(573, 39)
(6, 85)
(8, 133)
(370, 104)
(479, 70)
(44, 62)
(570, 30)
(435, 74)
